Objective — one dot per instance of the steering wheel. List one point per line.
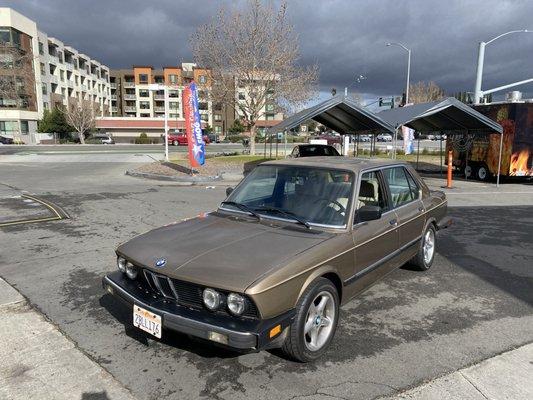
(341, 210)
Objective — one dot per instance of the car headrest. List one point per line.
(366, 190)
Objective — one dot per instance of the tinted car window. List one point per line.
(398, 186)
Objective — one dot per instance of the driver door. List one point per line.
(375, 241)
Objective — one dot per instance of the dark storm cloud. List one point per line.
(346, 38)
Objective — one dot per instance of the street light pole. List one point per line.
(478, 93)
(408, 67)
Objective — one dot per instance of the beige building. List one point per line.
(60, 75)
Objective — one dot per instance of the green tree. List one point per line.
(54, 122)
(207, 129)
(237, 127)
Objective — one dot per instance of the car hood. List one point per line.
(220, 251)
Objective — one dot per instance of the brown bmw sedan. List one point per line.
(271, 266)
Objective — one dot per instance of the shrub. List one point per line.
(143, 139)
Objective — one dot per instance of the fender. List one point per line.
(317, 273)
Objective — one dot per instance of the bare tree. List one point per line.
(81, 116)
(252, 56)
(17, 79)
(423, 92)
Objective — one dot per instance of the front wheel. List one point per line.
(426, 252)
(483, 173)
(314, 326)
(175, 143)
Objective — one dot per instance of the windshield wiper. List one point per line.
(243, 207)
(288, 214)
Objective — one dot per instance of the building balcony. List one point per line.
(129, 84)
(130, 109)
(130, 97)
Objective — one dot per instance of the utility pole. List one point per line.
(478, 93)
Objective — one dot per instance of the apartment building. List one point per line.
(47, 73)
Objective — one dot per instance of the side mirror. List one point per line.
(368, 213)
(229, 190)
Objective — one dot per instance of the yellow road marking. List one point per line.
(34, 220)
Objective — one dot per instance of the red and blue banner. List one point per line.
(193, 126)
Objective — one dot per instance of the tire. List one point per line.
(420, 261)
(175, 143)
(469, 172)
(482, 173)
(298, 345)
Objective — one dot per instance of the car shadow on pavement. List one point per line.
(198, 346)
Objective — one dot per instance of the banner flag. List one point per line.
(408, 139)
(193, 126)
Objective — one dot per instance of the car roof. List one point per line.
(337, 162)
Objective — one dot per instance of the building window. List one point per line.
(143, 78)
(204, 117)
(41, 49)
(218, 117)
(44, 88)
(173, 79)
(43, 69)
(45, 105)
(203, 106)
(10, 35)
(173, 105)
(242, 96)
(270, 107)
(218, 129)
(24, 127)
(145, 115)
(144, 93)
(270, 117)
(173, 116)
(144, 105)
(202, 79)
(62, 75)
(174, 93)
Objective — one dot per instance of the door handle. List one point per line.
(393, 222)
(420, 208)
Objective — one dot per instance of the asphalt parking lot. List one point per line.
(476, 301)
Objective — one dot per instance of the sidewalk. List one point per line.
(39, 362)
(508, 376)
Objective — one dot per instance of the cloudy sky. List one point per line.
(346, 38)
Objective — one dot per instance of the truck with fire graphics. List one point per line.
(476, 156)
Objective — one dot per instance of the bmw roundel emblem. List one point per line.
(160, 263)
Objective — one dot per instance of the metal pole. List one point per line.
(499, 161)
(478, 94)
(418, 151)
(408, 73)
(166, 122)
(440, 168)
(265, 152)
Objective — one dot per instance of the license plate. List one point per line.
(147, 321)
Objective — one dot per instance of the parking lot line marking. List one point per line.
(53, 208)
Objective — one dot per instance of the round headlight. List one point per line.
(121, 264)
(236, 303)
(212, 299)
(131, 271)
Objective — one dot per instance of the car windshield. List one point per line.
(305, 195)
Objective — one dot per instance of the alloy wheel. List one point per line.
(429, 246)
(319, 322)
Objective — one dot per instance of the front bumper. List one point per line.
(242, 333)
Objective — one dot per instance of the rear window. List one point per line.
(398, 182)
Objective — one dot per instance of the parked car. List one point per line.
(6, 140)
(384, 137)
(295, 240)
(214, 138)
(180, 139)
(365, 138)
(313, 150)
(104, 138)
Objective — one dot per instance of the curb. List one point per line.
(186, 181)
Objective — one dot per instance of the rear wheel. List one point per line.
(482, 173)
(313, 328)
(175, 143)
(426, 252)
